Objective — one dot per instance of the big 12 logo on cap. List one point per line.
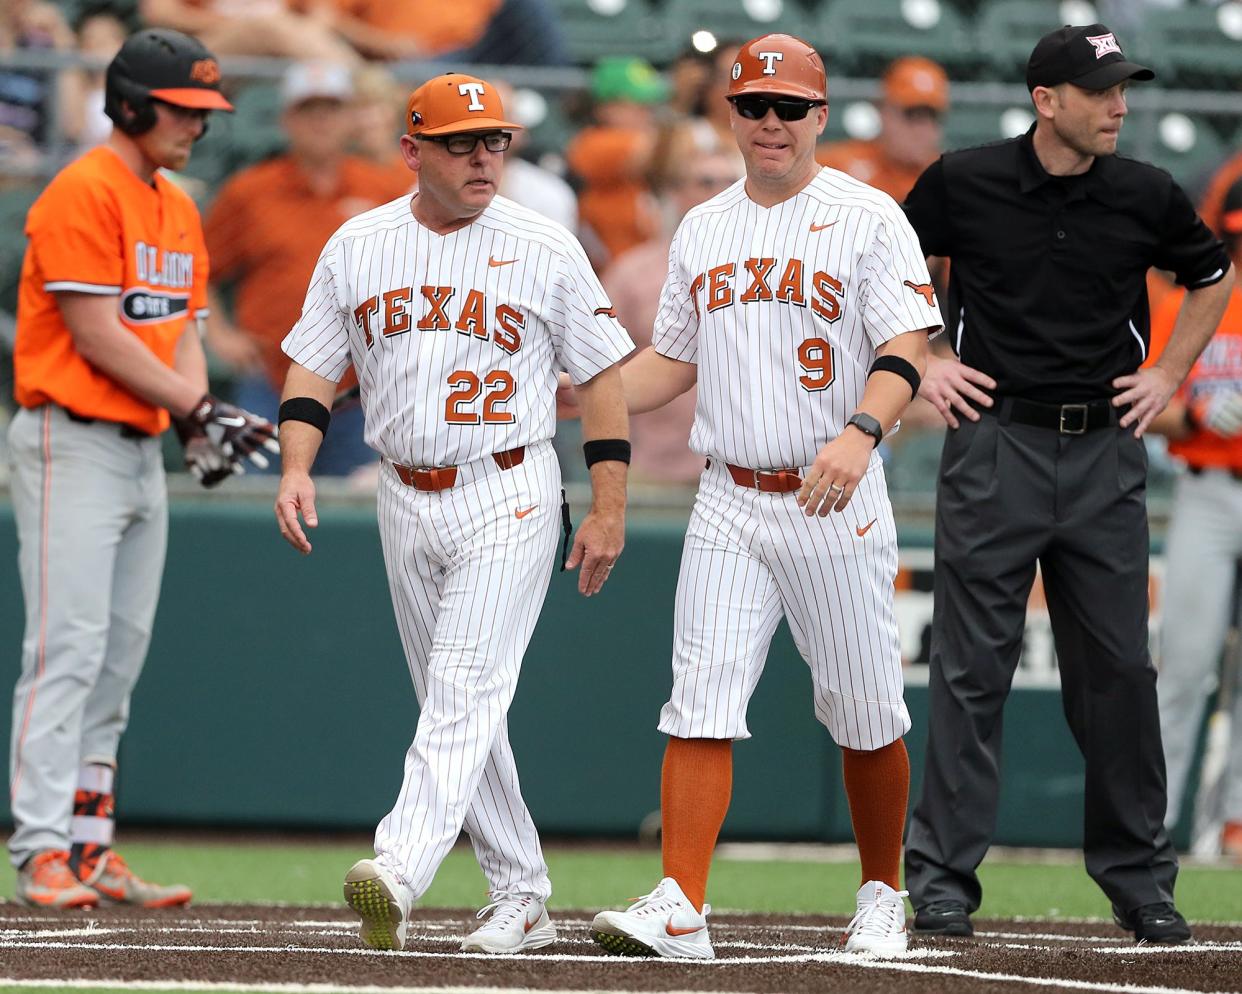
(1104, 44)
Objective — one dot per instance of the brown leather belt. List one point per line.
(769, 481)
(433, 478)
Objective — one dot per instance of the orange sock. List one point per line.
(877, 785)
(694, 797)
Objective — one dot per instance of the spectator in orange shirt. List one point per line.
(293, 29)
(913, 102)
(613, 157)
(1203, 423)
(494, 32)
(661, 438)
(266, 229)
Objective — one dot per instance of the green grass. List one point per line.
(311, 873)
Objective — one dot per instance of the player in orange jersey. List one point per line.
(106, 351)
(1203, 423)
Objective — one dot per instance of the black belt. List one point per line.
(127, 431)
(1067, 419)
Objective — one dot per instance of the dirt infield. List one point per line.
(257, 945)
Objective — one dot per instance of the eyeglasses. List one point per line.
(916, 115)
(497, 141)
(787, 108)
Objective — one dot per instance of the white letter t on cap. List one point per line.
(769, 61)
(473, 91)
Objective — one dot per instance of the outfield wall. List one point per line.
(276, 695)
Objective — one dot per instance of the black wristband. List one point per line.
(305, 409)
(902, 367)
(606, 449)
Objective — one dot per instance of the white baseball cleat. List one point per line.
(516, 923)
(879, 926)
(664, 923)
(381, 901)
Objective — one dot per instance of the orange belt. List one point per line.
(769, 481)
(432, 478)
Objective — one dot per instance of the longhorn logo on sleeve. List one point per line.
(925, 290)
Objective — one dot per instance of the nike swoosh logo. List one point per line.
(530, 925)
(519, 513)
(231, 421)
(821, 227)
(608, 312)
(499, 262)
(866, 528)
(674, 931)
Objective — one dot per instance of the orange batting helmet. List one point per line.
(780, 64)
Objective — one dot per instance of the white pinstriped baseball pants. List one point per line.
(751, 558)
(468, 579)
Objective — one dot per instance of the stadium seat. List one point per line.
(1007, 30)
(1184, 144)
(862, 36)
(1194, 46)
(596, 28)
(552, 132)
(14, 203)
(734, 20)
(966, 126)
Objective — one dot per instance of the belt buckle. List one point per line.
(1078, 409)
(755, 474)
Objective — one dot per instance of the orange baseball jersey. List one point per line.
(99, 229)
(1218, 368)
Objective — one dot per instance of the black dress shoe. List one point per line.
(1158, 923)
(943, 918)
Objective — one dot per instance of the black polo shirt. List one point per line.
(1048, 276)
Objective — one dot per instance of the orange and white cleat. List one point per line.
(109, 876)
(1231, 840)
(45, 881)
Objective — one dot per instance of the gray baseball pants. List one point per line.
(1202, 548)
(92, 523)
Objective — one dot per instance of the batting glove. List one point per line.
(1222, 414)
(204, 461)
(235, 432)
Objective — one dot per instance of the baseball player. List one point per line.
(799, 301)
(106, 349)
(456, 307)
(1204, 425)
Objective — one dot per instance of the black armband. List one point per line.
(606, 449)
(902, 367)
(305, 409)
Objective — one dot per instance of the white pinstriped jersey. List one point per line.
(456, 339)
(782, 309)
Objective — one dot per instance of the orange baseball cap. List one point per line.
(914, 81)
(779, 64)
(455, 102)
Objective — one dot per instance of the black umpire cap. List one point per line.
(1088, 56)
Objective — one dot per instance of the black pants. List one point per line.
(1010, 495)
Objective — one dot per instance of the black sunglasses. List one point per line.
(497, 141)
(787, 108)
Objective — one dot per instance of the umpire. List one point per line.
(1051, 235)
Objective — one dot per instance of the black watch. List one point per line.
(866, 423)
